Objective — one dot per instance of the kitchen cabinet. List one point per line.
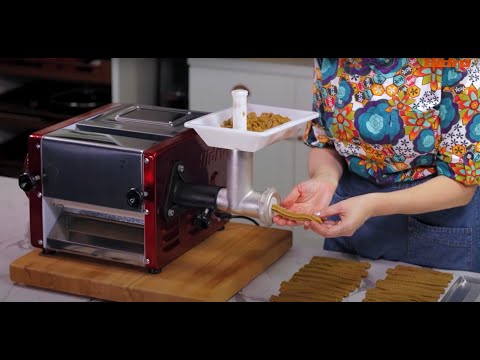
(275, 82)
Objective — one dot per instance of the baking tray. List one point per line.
(465, 289)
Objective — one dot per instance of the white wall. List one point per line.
(134, 80)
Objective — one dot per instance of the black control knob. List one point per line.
(202, 220)
(135, 198)
(28, 182)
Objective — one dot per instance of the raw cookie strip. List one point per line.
(294, 216)
(409, 283)
(319, 260)
(323, 279)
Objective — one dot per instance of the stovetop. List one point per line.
(37, 105)
(52, 99)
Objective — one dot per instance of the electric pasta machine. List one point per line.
(134, 184)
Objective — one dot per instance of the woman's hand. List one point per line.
(353, 213)
(307, 197)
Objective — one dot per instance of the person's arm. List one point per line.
(458, 156)
(436, 194)
(325, 163)
(439, 193)
(325, 168)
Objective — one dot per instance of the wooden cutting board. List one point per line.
(214, 270)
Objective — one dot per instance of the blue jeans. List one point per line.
(447, 239)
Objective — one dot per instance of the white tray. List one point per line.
(209, 128)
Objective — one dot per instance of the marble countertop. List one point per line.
(14, 242)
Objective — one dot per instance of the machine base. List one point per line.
(48, 252)
(214, 270)
(154, 271)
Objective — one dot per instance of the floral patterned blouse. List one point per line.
(395, 120)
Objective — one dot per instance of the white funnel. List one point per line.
(210, 129)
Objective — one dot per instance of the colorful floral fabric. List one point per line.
(395, 120)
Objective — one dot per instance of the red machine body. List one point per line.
(165, 238)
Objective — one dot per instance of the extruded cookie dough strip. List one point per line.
(296, 299)
(337, 270)
(427, 287)
(418, 272)
(388, 299)
(413, 290)
(355, 274)
(393, 297)
(410, 292)
(309, 295)
(419, 275)
(310, 298)
(330, 274)
(274, 298)
(318, 286)
(413, 275)
(337, 267)
(429, 271)
(328, 282)
(342, 276)
(329, 277)
(302, 288)
(325, 260)
(295, 216)
(309, 290)
(379, 293)
(349, 287)
(418, 279)
(392, 285)
(323, 279)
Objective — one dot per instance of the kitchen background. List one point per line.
(37, 92)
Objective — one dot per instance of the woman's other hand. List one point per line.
(352, 212)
